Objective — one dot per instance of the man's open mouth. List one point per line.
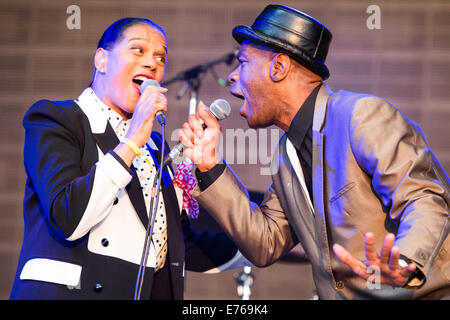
(237, 95)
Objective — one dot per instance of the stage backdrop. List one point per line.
(395, 49)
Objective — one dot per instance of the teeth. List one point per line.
(139, 79)
(142, 78)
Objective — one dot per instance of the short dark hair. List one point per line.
(115, 32)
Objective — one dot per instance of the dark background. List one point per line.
(407, 62)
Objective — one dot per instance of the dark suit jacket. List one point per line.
(73, 182)
(372, 171)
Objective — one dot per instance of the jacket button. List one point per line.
(98, 287)
(116, 200)
(422, 255)
(339, 285)
(105, 242)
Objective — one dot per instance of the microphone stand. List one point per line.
(244, 281)
(191, 79)
(149, 231)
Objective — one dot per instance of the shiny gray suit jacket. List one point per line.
(372, 171)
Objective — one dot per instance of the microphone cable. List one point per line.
(153, 206)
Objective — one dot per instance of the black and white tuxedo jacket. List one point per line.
(85, 216)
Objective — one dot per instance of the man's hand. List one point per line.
(388, 262)
(201, 137)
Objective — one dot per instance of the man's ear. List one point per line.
(101, 56)
(279, 66)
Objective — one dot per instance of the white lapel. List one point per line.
(91, 106)
(89, 103)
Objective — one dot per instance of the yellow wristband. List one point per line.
(133, 147)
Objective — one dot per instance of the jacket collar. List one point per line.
(321, 108)
(92, 107)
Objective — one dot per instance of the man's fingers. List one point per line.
(191, 121)
(209, 120)
(369, 245)
(395, 255)
(386, 249)
(342, 254)
(406, 272)
(195, 122)
(411, 268)
(186, 136)
(357, 266)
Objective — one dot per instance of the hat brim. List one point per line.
(241, 33)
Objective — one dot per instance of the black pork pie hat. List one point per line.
(292, 32)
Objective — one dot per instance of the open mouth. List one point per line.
(137, 80)
(237, 95)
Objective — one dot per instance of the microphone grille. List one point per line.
(149, 83)
(220, 108)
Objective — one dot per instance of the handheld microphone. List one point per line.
(153, 83)
(220, 109)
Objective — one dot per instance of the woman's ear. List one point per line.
(279, 66)
(101, 56)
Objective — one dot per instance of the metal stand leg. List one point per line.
(244, 281)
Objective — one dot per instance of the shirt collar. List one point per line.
(303, 120)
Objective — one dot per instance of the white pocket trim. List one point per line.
(54, 271)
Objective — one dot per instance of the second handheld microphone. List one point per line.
(220, 109)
